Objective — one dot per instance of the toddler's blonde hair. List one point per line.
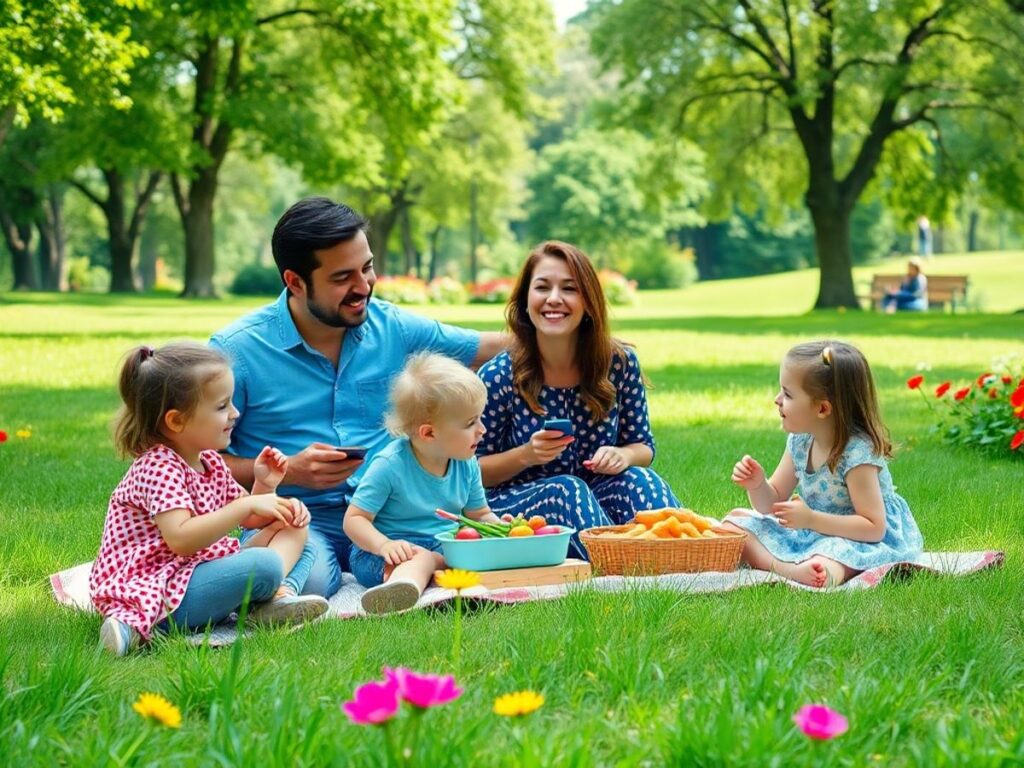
(431, 385)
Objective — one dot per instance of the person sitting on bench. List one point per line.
(913, 293)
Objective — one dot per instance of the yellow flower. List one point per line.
(458, 579)
(519, 703)
(24, 434)
(153, 706)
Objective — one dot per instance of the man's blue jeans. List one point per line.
(332, 549)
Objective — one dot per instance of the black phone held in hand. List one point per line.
(353, 451)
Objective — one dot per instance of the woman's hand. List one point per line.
(545, 445)
(748, 474)
(270, 467)
(608, 460)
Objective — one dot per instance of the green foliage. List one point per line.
(86, 277)
(618, 289)
(656, 264)
(401, 289)
(53, 55)
(447, 290)
(257, 280)
(594, 190)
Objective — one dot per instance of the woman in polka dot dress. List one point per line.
(166, 558)
(564, 364)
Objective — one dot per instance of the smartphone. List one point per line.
(560, 425)
(353, 451)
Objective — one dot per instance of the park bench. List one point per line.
(943, 290)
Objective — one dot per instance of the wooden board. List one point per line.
(569, 571)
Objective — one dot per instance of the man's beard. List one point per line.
(334, 319)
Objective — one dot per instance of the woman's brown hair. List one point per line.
(839, 373)
(595, 347)
(155, 381)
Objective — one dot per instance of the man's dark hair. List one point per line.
(312, 224)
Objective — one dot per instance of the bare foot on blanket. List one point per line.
(810, 572)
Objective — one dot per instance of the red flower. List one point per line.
(915, 381)
(1007, 379)
(1017, 441)
(981, 379)
(3, 436)
(942, 389)
(962, 393)
(1017, 398)
(993, 393)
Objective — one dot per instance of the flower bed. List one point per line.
(987, 413)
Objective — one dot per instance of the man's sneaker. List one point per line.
(394, 595)
(289, 610)
(117, 637)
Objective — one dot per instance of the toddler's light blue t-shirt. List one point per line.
(402, 495)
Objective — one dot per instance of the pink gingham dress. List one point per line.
(136, 578)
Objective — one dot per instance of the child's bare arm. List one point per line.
(763, 493)
(185, 533)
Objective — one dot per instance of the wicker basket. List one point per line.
(647, 557)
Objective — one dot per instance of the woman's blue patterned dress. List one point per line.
(564, 491)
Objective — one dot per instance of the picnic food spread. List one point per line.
(509, 527)
(668, 523)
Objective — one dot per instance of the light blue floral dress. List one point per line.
(825, 491)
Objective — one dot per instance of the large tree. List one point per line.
(298, 81)
(820, 97)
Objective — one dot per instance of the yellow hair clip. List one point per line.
(826, 356)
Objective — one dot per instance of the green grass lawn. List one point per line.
(929, 671)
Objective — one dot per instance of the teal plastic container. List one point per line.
(498, 554)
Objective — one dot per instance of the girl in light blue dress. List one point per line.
(846, 516)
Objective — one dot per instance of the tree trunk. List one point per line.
(121, 244)
(474, 231)
(211, 136)
(7, 114)
(199, 250)
(835, 262)
(706, 243)
(435, 235)
(412, 256)
(18, 236)
(972, 232)
(50, 224)
(378, 235)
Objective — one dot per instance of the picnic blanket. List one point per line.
(71, 587)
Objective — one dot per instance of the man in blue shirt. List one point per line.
(313, 369)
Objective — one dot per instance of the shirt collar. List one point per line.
(289, 334)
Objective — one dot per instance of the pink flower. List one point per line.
(820, 722)
(373, 703)
(423, 691)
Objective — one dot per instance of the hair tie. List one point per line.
(145, 353)
(826, 356)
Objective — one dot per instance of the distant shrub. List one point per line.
(618, 289)
(85, 278)
(494, 291)
(401, 289)
(256, 280)
(447, 290)
(657, 265)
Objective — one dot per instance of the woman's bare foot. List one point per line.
(810, 572)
